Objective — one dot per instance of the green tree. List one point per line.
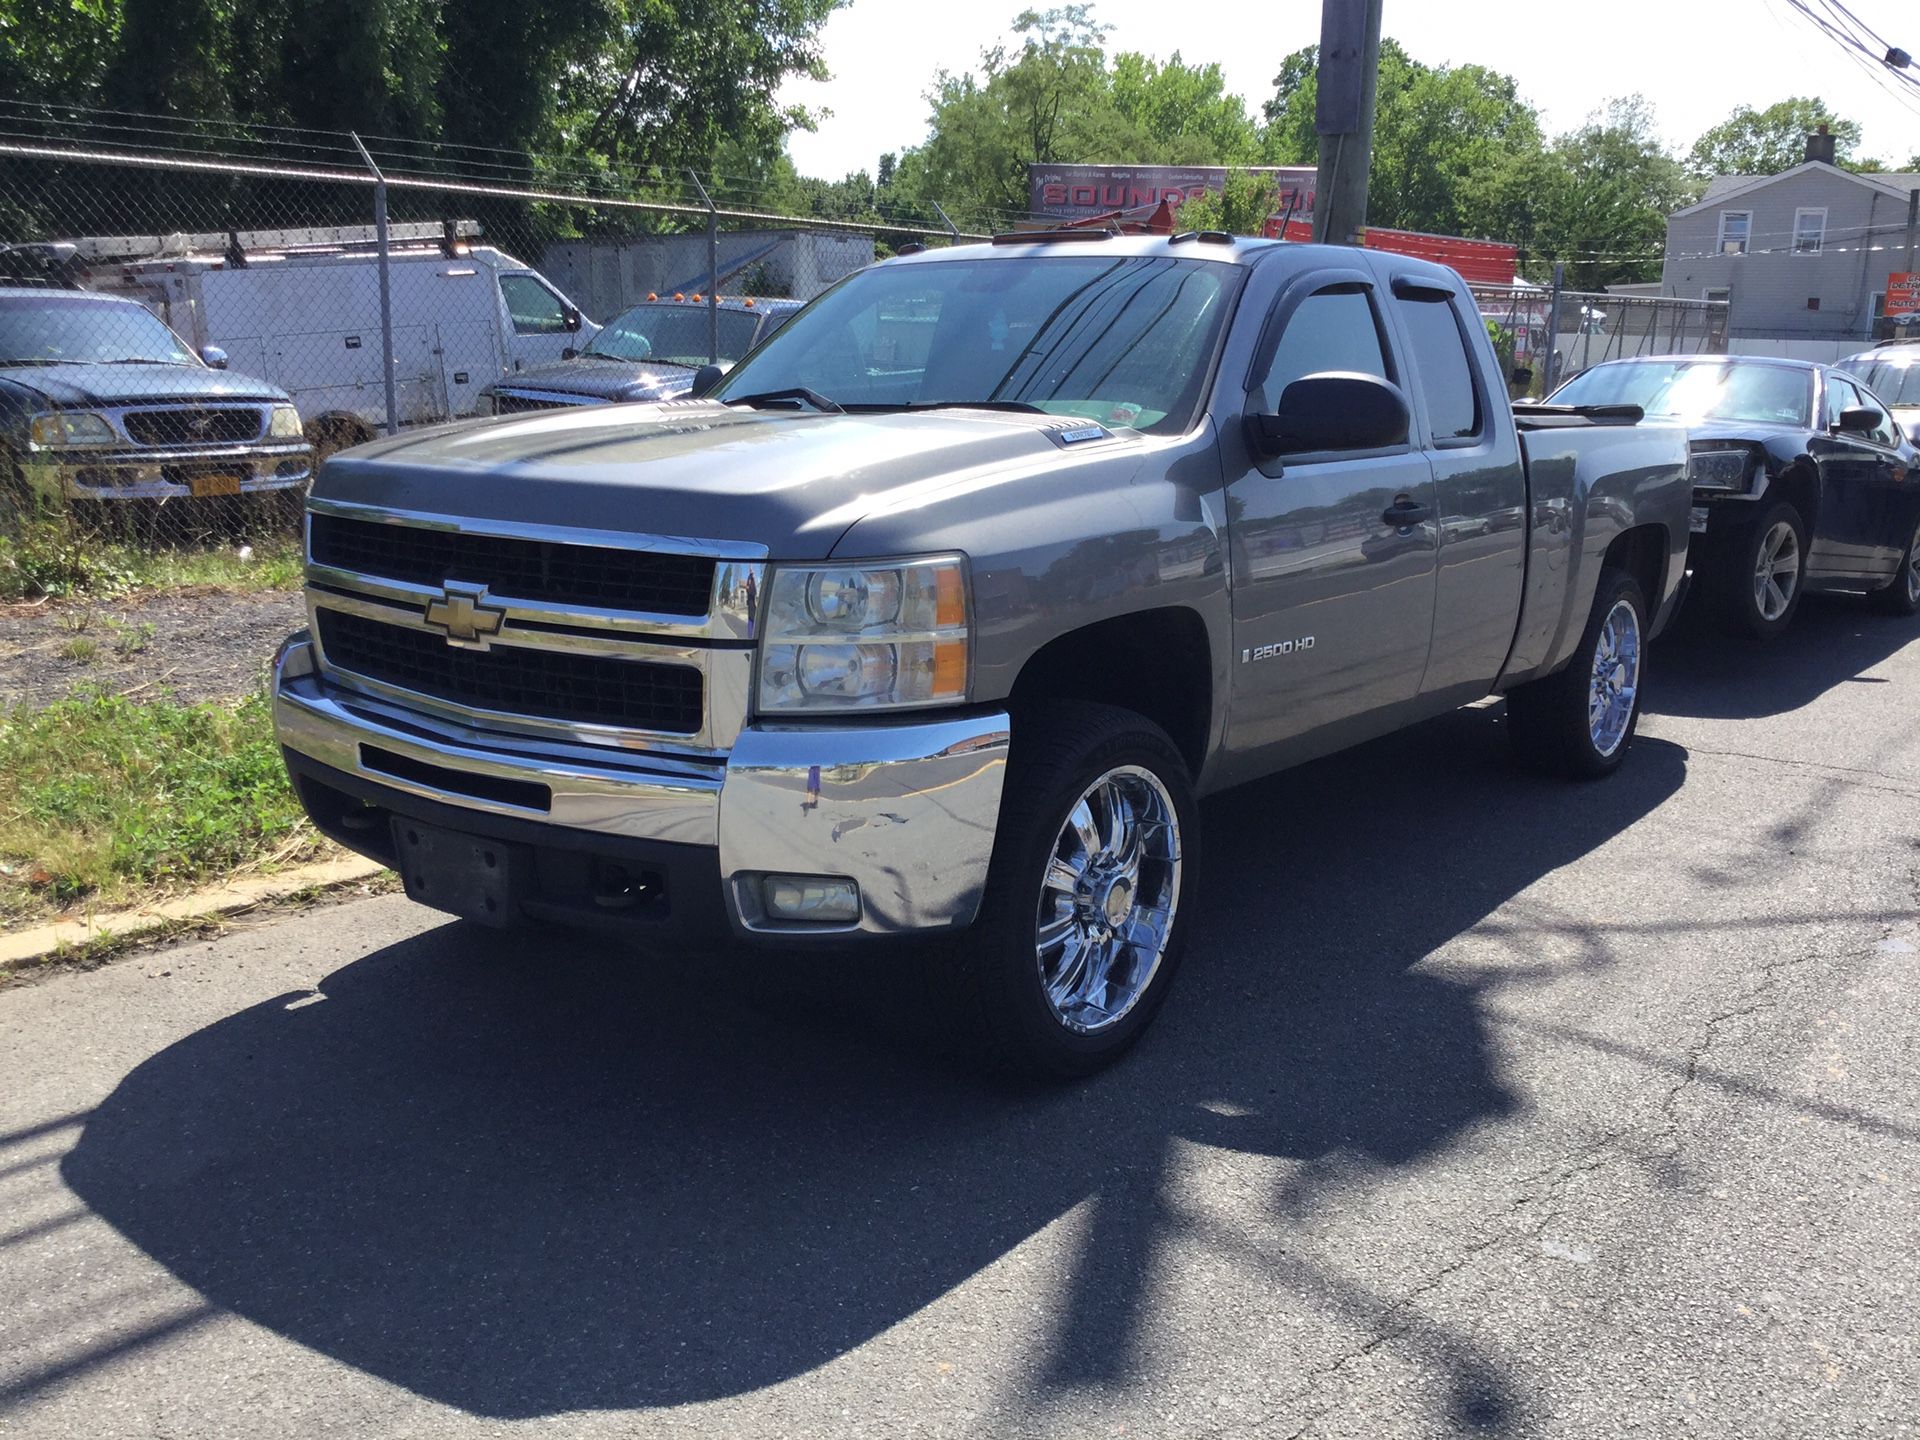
(1241, 207)
(56, 50)
(1455, 149)
(1181, 112)
(1765, 142)
(1604, 195)
(1058, 97)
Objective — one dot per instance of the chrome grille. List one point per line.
(579, 688)
(198, 425)
(542, 570)
(558, 634)
(507, 403)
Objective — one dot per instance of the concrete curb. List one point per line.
(42, 941)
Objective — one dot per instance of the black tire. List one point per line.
(991, 973)
(1548, 720)
(1901, 594)
(1736, 592)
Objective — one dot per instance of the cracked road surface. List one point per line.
(1487, 1105)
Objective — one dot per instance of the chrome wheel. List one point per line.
(1910, 572)
(1107, 899)
(1776, 571)
(1615, 684)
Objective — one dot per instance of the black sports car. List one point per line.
(1801, 480)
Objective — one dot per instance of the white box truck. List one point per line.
(302, 308)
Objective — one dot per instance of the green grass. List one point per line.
(104, 799)
(50, 558)
(79, 647)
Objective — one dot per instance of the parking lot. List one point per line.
(1486, 1104)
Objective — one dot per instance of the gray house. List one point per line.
(1802, 256)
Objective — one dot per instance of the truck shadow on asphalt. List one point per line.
(523, 1176)
(1699, 671)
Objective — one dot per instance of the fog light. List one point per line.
(811, 897)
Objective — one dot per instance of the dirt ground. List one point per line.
(196, 645)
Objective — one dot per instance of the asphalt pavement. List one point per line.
(1486, 1105)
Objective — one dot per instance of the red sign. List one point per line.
(1903, 292)
(1484, 262)
(1076, 192)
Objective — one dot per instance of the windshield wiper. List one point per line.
(1018, 407)
(40, 360)
(782, 399)
(134, 360)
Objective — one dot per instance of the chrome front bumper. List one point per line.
(907, 811)
(109, 474)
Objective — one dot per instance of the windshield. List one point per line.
(1895, 384)
(57, 330)
(676, 334)
(1124, 340)
(1691, 390)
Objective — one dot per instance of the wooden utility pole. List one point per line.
(1349, 71)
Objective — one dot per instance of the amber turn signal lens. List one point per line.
(950, 669)
(950, 605)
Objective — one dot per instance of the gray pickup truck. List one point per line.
(937, 614)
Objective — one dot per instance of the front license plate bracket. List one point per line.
(466, 875)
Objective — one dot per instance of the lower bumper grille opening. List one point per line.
(526, 794)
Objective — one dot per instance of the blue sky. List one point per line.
(1695, 59)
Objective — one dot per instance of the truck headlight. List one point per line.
(71, 427)
(284, 423)
(864, 637)
(1719, 467)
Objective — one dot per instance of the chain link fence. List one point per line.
(184, 338)
(187, 330)
(1548, 335)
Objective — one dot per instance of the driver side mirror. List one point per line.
(573, 320)
(214, 356)
(705, 378)
(1858, 420)
(570, 353)
(1334, 410)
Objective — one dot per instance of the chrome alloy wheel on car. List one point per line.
(1108, 899)
(1910, 570)
(1616, 678)
(1776, 571)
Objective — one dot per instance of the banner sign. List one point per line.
(1079, 192)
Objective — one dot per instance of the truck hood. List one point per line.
(792, 482)
(138, 384)
(602, 379)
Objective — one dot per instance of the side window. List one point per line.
(1735, 227)
(535, 309)
(1439, 357)
(1332, 330)
(1840, 394)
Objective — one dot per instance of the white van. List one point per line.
(302, 308)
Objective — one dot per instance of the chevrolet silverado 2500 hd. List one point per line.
(938, 612)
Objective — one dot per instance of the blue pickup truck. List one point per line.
(102, 403)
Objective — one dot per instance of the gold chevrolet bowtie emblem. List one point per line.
(467, 621)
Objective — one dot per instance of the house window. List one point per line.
(1718, 292)
(1735, 226)
(1809, 230)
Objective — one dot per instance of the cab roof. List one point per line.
(1211, 245)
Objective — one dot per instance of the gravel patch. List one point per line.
(196, 645)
